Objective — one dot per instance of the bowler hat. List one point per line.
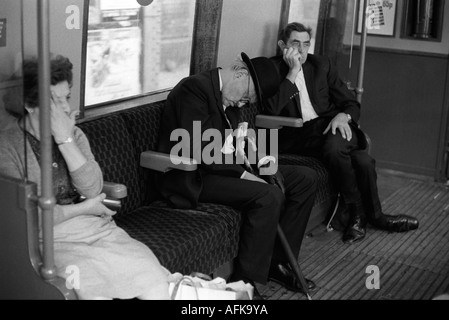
(265, 77)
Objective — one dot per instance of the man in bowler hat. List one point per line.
(213, 99)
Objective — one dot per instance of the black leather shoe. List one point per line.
(399, 223)
(283, 274)
(236, 278)
(355, 231)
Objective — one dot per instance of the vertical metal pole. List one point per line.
(47, 200)
(359, 88)
(354, 18)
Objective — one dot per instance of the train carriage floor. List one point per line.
(384, 266)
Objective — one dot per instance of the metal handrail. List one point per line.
(46, 200)
(359, 89)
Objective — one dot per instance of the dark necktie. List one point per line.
(233, 114)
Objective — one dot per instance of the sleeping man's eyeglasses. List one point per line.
(246, 98)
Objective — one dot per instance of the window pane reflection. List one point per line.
(133, 50)
(307, 13)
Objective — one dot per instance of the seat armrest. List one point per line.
(277, 122)
(164, 162)
(114, 190)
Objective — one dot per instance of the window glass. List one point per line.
(307, 13)
(11, 53)
(133, 49)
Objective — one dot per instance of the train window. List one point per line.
(133, 50)
(306, 12)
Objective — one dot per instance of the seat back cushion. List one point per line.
(143, 126)
(113, 149)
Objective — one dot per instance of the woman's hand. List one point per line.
(62, 117)
(63, 126)
(95, 206)
(92, 206)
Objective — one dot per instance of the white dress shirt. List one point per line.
(308, 112)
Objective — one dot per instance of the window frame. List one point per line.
(204, 54)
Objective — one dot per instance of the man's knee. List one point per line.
(363, 161)
(276, 196)
(270, 196)
(310, 178)
(305, 179)
(335, 146)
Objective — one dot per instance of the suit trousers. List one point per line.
(352, 169)
(263, 207)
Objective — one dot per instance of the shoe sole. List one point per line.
(287, 287)
(353, 241)
(290, 287)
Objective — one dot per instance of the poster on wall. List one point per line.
(112, 64)
(380, 17)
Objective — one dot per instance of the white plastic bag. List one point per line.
(195, 288)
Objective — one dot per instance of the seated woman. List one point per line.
(111, 264)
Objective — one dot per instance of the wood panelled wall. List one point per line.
(404, 108)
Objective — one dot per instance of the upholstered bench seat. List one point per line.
(200, 240)
(232, 219)
(183, 240)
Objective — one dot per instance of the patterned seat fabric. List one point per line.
(231, 217)
(143, 125)
(183, 240)
(112, 147)
(326, 189)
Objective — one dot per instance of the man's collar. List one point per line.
(221, 85)
(219, 77)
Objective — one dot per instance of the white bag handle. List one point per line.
(181, 281)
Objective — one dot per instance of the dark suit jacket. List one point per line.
(328, 93)
(196, 98)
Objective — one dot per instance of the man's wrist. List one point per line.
(349, 117)
(292, 78)
(293, 74)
